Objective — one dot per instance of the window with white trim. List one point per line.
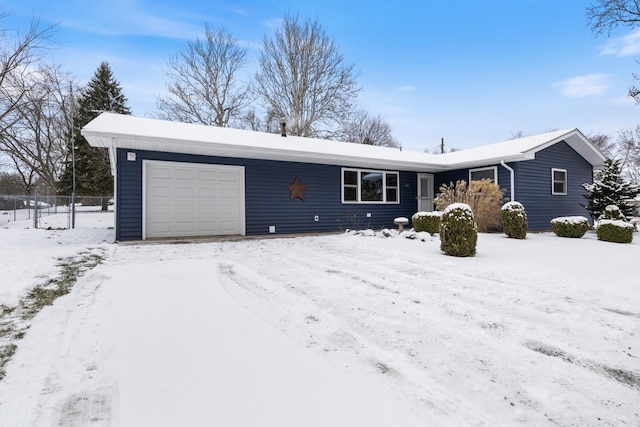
(484, 173)
(559, 182)
(370, 186)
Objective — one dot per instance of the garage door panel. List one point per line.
(193, 199)
(208, 209)
(229, 227)
(161, 227)
(206, 175)
(185, 227)
(185, 209)
(227, 192)
(207, 227)
(206, 192)
(185, 174)
(184, 192)
(161, 172)
(159, 191)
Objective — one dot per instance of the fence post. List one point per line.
(73, 210)
(35, 210)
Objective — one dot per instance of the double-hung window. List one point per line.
(369, 186)
(559, 182)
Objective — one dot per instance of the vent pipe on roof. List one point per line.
(283, 128)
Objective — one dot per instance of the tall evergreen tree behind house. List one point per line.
(93, 172)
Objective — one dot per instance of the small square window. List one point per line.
(559, 182)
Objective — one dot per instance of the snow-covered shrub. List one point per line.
(483, 196)
(617, 231)
(570, 226)
(458, 231)
(514, 220)
(426, 221)
(612, 212)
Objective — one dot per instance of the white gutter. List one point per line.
(511, 176)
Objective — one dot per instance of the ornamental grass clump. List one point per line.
(483, 196)
(570, 226)
(514, 220)
(458, 231)
(426, 221)
(615, 230)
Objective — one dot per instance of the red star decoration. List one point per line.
(297, 189)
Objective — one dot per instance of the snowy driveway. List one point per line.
(534, 332)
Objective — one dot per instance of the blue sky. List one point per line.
(471, 72)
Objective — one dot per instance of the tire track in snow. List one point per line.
(441, 307)
(332, 337)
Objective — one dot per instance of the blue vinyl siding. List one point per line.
(267, 198)
(533, 185)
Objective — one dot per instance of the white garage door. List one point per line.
(189, 199)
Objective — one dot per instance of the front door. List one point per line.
(425, 192)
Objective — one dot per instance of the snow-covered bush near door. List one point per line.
(426, 221)
(514, 220)
(570, 226)
(458, 231)
(617, 231)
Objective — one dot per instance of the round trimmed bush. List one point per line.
(514, 220)
(458, 231)
(426, 221)
(570, 226)
(617, 231)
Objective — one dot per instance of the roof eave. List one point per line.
(100, 139)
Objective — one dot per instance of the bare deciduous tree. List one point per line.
(604, 144)
(606, 15)
(205, 87)
(628, 145)
(304, 79)
(18, 52)
(36, 140)
(363, 128)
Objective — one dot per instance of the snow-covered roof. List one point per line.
(112, 131)
(525, 149)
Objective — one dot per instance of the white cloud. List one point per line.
(628, 45)
(584, 86)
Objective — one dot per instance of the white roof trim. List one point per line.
(113, 131)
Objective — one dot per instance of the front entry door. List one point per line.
(425, 192)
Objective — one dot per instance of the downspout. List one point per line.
(511, 176)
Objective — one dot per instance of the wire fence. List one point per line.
(32, 208)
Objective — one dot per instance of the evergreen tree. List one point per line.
(92, 169)
(609, 188)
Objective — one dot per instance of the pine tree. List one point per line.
(609, 188)
(92, 168)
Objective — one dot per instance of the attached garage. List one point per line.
(192, 199)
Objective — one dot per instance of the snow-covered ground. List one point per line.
(341, 330)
